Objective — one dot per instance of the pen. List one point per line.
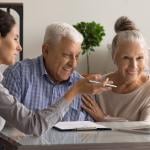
(107, 84)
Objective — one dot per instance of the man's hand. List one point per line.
(84, 86)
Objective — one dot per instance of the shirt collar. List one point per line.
(42, 66)
(1, 77)
(2, 69)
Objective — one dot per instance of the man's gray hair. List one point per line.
(56, 31)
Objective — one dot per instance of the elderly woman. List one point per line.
(130, 100)
(17, 114)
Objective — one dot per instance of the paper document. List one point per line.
(79, 125)
(144, 130)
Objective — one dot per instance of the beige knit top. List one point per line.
(133, 106)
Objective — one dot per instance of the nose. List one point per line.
(19, 48)
(133, 63)
(73, 62)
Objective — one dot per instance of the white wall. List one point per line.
(39, 13)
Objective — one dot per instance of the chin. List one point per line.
(64, 78)
(10, 62)
(132, 78)
(66, 75)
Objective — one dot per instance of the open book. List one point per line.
(79, 126)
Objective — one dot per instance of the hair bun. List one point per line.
(124, 23)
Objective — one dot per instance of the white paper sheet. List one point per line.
(143, 130)
(79, 125)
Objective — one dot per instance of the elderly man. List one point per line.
(40, 82)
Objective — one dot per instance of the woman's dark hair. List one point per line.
(6, 23)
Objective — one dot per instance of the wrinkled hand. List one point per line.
(92, 108)
(85, 87)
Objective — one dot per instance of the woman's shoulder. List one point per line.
(147, 83)
(146, 87)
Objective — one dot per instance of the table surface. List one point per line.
(113, 139)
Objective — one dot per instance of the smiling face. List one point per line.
(10, 46)
(61, 60)
(130, 60)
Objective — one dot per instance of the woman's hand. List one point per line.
(92, 108)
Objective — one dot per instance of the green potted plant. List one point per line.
(93, 34)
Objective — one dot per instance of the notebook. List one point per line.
(79, 126)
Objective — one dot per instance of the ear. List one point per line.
(45, 49)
